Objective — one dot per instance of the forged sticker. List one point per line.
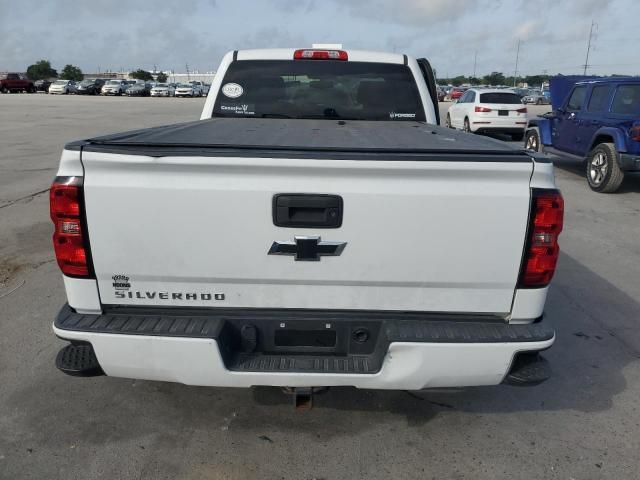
(242, 109)
(232, 90)
(401, 115)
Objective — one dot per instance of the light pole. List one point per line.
(515, 72)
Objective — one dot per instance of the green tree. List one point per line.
(459, 80)
(161, 77)
(71, 72)
(41, 70)
(141, 75)
(494, 78)
(536, 80)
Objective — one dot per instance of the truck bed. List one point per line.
(294, 138)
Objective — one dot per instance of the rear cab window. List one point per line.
(500, 97)
(626, 100)
(324, 89)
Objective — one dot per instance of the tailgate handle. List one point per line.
(307, 210)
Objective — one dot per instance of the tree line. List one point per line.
(494, 78)
(42, 70)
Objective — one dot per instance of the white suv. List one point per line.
(489, 110)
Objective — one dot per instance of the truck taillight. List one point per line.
(634, 133)
(482, 109)
(311, 54)
(542, 250)
(69, 242)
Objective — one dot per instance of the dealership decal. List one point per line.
(242, 109)
(232, 90)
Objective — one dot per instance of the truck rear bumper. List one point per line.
(408, 352)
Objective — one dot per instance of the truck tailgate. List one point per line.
(195, 230)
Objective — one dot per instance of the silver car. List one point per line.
(114, 87)
(188, 90)
(163, 90)
(535, 96)
(63, 87)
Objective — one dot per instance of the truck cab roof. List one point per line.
(288, 54)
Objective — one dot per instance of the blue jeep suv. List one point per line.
(596, 120)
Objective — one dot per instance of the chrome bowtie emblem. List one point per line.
(307, 248)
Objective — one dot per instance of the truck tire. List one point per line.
(532, 140)
(602, 169)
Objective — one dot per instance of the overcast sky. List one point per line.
(117, 34)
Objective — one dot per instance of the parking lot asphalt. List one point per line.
(584, 423)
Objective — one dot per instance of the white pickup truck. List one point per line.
(314, 228)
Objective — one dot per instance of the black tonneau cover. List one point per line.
(296, 138)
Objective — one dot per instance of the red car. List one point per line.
(15, 82)
(456, 93)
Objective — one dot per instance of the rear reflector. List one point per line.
(65, 205)
(310, 54)
(482, 109)
(542, 250)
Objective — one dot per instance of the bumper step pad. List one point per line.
(78, 360)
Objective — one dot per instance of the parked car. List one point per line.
(163, 90)
(129, 83)
(90, 86)
(42, 85)
(188, 90)
(595, 121)
(114, 87)
(489, 111)
(535, 97)
(401, 260)
(455, 93)
(521, 92)
(63, 87)
(16, 82)
(138, 90)
(441, 94)
(201, 87)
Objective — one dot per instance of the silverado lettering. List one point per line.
(168, 295)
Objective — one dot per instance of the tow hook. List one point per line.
(303, 396)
